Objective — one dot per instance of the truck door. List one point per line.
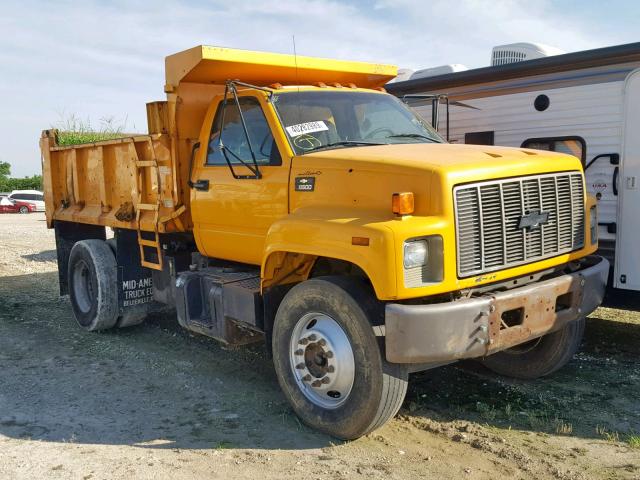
(627, 265)
(232, 215)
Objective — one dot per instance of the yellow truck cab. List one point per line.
(292, 200)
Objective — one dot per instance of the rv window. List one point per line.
(479, 138)
(575, 146)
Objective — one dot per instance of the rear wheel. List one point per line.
(539, 357)
(24, 209)
(92, 285)
(329, 364)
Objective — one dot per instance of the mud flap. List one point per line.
(135, 285)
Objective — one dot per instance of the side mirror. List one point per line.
(195, 147)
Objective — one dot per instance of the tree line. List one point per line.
(8, 183)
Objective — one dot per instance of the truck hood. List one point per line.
(456, 161)
(367, 176)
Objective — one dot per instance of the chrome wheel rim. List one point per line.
(321, 359)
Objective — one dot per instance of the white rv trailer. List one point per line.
(585, 103)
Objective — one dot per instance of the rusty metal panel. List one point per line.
(537, 304)
(97, 183)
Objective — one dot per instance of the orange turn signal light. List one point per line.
(361, 241)
(402, 203)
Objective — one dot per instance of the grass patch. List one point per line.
(633, 441)
(72, 130)
(608, 435)
(223, 445)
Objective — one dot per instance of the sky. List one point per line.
(105, 59)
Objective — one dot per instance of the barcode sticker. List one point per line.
(308, 127)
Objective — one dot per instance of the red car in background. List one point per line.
(15, 206)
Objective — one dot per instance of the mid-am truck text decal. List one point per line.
(137, 291)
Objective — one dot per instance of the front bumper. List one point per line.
(479, 326)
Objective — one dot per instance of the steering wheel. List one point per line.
(375, 132)
(306, 142)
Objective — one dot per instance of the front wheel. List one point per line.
(539, 357)
(328, 361)
(24, 209)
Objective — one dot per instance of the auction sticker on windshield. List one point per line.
(308, 127)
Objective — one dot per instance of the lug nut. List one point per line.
(322, 342)
(303, 341)
(326, 380)
(300, 366)
(329, 354)
(316, 383)
(299, 352)
(306, 378)
(312, 337)
(331, 369)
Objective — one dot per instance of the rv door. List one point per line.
(627, 265)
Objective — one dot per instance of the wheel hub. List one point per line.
(83, 286)
(322, 360)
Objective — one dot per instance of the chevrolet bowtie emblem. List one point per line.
(533, 220)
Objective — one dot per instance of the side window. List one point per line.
(479, 138)
(575, 146)
(234, 139)
(39, 197)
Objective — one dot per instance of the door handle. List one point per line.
(202, 185)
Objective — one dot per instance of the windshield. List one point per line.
(322, 120)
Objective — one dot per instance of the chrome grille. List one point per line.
(488, 216)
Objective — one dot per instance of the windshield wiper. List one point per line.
(343, 144)
(413, 135)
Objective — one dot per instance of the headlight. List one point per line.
(593, 223)
(416, 253)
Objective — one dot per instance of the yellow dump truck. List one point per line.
(291, 200)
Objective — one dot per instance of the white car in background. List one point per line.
(34, 197)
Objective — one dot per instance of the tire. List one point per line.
(133, 315)
(363, 390)
(540, 357)
(92, 285)
(23, 209)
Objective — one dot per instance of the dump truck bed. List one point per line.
(130, 182)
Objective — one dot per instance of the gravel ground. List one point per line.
(155, 401)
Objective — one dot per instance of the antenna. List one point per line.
(295, 57)
(295, 60)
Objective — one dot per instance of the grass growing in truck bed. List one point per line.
(72, 130)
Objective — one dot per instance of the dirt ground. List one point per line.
(155, 401)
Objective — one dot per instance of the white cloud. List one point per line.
(98, 59)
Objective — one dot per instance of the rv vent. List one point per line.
(403, 74)
(518, 52)
(440, 70)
